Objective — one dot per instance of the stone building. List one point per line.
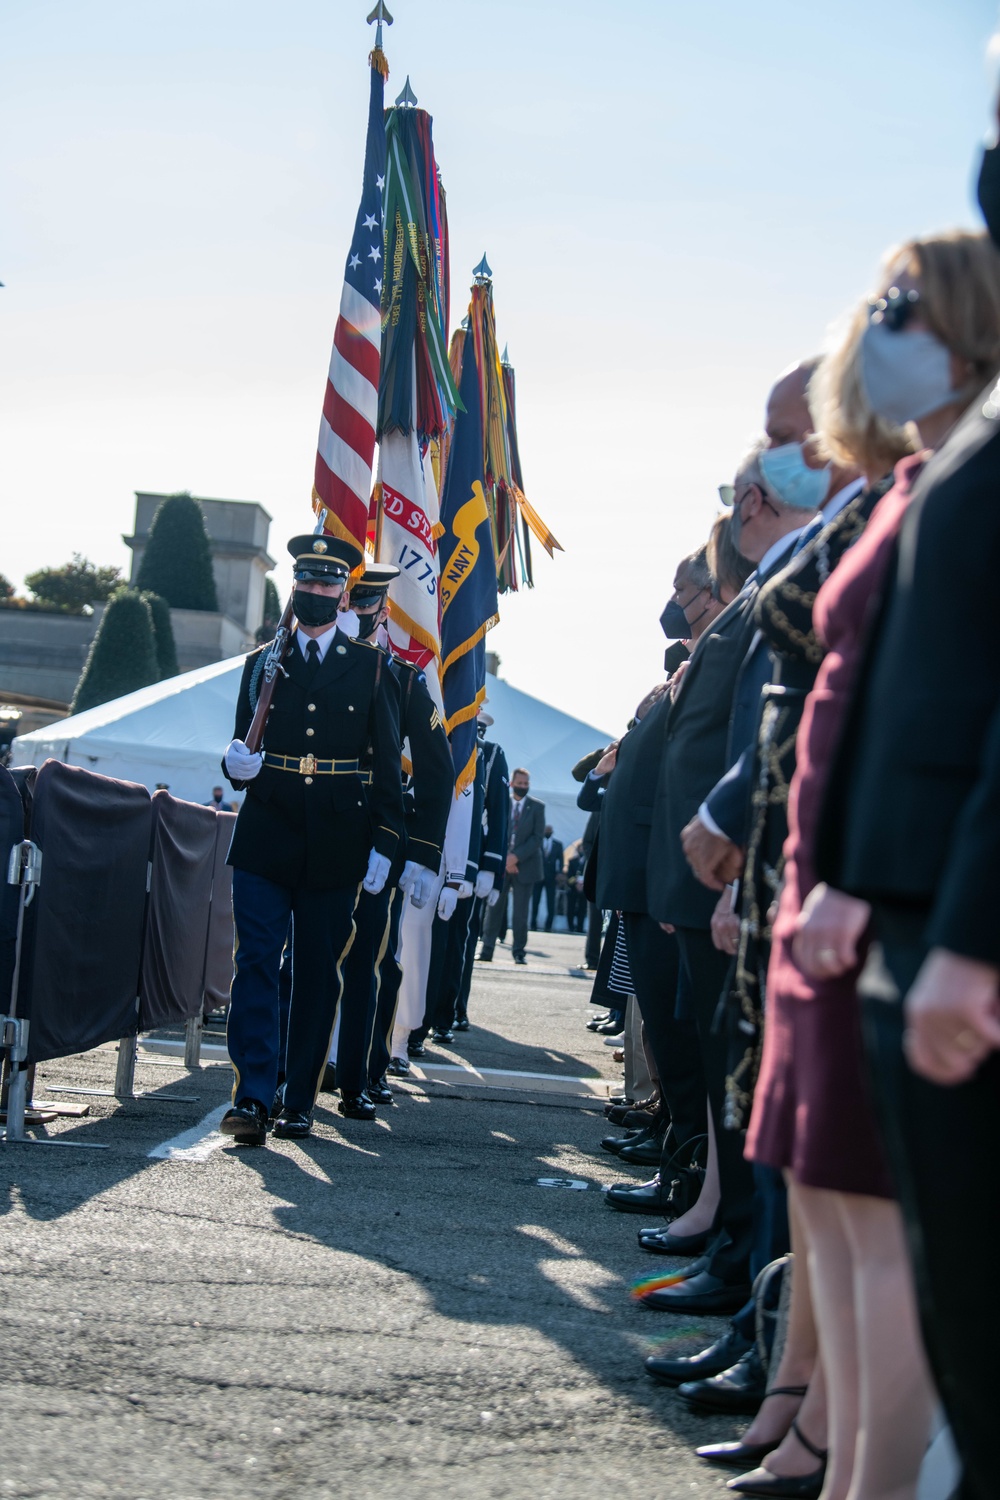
(42, 655)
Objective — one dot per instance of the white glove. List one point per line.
(423, 888)
(378, 872)
(464, 890)
(410, 876)
(241, 765)
(447, 903)
(484, 883)
(493, 897)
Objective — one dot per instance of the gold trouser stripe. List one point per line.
(340, 995)
(383, 945)
(236, 949)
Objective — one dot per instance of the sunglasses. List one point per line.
(895, 309)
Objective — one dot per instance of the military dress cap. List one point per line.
(373, 582)
(324, 558)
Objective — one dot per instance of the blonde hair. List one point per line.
(959, 273)
(730, 569)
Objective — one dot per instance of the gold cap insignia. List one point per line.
(320, 546)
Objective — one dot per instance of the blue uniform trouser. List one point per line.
(322, 934)
(358, 1001)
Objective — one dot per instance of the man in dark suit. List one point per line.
(315, 829)
(911, 829)
(552, 858)
(524, 867)
(695, 753)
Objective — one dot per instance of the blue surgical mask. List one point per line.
(791, 479)
(906, 374)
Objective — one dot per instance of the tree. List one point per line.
(7, 588)
(177, 562)
(75, 585)
(272, 611)
(123, 654)
(163, 636)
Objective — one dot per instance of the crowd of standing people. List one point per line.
(798, 835)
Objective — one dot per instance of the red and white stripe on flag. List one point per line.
(409, 539)
(347, 428)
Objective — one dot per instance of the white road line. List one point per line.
(196, 1144)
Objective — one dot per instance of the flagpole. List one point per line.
(380, 15)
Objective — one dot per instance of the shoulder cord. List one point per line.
(255, 677)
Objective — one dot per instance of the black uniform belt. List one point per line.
(308, 765)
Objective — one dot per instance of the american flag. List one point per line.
(350, 410)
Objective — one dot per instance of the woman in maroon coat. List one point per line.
(812, 1113)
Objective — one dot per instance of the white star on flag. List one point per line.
(378, 285)
(375, 253)
(380, 183)
(370, 222)
(355, 262)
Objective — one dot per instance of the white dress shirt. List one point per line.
(323, 641)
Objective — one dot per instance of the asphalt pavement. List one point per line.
(392, 1307)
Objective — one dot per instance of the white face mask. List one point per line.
(348, 622)
(906, 374)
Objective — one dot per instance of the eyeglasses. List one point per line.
(727, 493)
(895, 309)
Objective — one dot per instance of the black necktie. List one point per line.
(312, 659)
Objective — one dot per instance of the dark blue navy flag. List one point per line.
(468, 576)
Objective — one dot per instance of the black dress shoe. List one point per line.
(738, 1392)
(442, 1037)
(617, 1143)
(662, 1242)
(701, 1292)
(415, 1049)
(328, 1083)
(356, 1106)
(277, 1105)
(596, 1021)
(614, 1027)
(519, 958)
(293, 1124)
(462, 1024)
(485, 957)
(645, 1152)
(721, 1355)
(786, 1487)
(648, 1198)
(398, 1067)
(737, 1455)
(380, 1092)
(246, 1122)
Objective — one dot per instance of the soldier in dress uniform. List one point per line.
(323, 816)
(430, 785)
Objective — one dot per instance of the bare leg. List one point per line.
(832, 1275)
(897, 1397)
(799, 1358)
(700, 1217)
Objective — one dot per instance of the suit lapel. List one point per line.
(336, 662)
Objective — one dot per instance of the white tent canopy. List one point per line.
(175, 732)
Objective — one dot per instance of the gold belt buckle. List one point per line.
(307, 765)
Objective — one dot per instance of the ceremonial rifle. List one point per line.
(276, 654)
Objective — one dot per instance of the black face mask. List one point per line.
(314, 609)
(988, 191)
(367, 625)
(674, 622)
(519, 792)
(481, 730)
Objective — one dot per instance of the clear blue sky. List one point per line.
(675, 204)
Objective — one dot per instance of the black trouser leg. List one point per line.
(654, 962)
(939, 1141)
(465, 986)
(443, 1015)
(357, 1005)
(706, 970)
(536, 901)
(519, 922)
(550, 902)
(435, 972)
(387, 980)
(495, 919)
(592, 947)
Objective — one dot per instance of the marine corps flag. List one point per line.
(468, 576)
(346, 444)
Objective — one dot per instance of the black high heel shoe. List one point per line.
(748, 1455)
(785, 1486)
